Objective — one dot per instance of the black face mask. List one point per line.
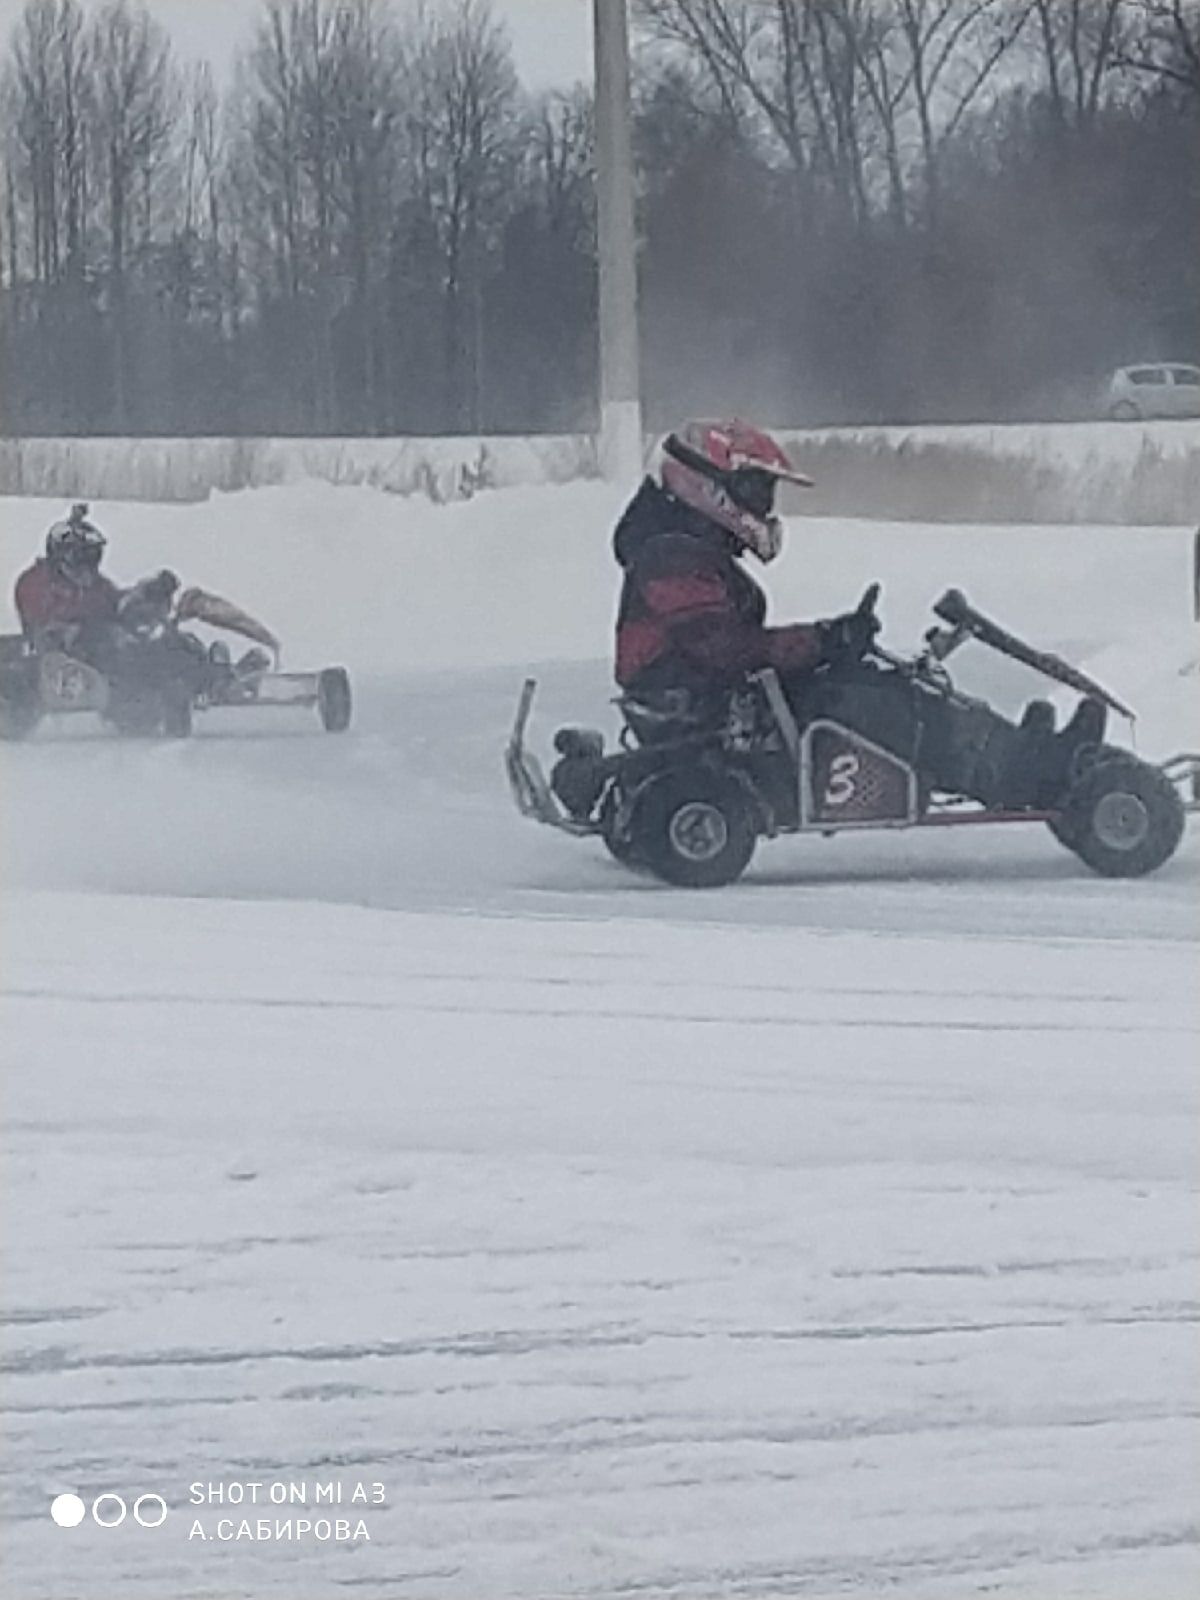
(753, 490)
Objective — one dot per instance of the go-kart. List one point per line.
(696, 782)
(146, 675)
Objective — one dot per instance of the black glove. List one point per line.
(849, 637)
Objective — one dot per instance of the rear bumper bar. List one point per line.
(530, 790)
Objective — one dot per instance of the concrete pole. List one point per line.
(620, 390)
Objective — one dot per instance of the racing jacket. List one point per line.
(45, 600)
(690, 615)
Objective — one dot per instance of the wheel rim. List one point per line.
(1121, 821)
(698, 831)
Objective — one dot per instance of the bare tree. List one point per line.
(45, 90)
(133, 107)
(952, 49)
(1164, 41)
(462, 91)
(369, 65)
(1080, 41)
(849, 86)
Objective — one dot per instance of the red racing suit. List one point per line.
(45, 600)
(690, 615)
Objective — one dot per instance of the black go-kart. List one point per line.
(146, 675)
(697, 780)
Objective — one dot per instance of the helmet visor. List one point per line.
(753, 489)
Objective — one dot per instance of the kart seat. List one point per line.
(663, 714)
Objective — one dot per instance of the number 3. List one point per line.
(843, 770)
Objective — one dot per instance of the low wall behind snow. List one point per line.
(1091, 472)
(192, 469)
(1100, 472)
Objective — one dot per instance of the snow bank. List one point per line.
(1066, 472)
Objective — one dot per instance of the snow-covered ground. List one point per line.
(829, 1235)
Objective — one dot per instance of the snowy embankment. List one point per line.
(1080, 472)
(828, 1235)
(1097, 472)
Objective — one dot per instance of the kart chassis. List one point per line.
(65, 686)
(845, 780)
(823, 779)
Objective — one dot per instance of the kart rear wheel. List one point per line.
(620, 848)
(335, 702)
(1123, 818)
(694, 829)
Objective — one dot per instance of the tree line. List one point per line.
(849, 210)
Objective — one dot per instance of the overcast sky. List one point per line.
(551, 38)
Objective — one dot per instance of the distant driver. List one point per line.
(64, 590)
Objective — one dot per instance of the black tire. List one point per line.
(335, 702)
(1066, 825)
(1063, 828)
(1125, 411)
(694, 829)
(135, 715)
(1123, 818)
(622, 850)
(176, 719)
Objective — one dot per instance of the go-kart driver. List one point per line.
(692, 618)
(64, 591)
(66, 603)
(690, 614)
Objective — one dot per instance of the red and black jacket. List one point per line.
(45, 600)
(690, 615)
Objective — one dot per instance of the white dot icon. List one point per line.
(68, 1510)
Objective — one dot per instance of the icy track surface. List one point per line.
(830, 1235)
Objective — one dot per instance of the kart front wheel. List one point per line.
(19, 716)
(694, 829)
(335, 702)
(177, 715)
(1123, 818)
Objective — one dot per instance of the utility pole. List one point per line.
(620, 388)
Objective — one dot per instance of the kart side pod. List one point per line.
(845, 780)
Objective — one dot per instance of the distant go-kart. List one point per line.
(146, 675)
(687, 795)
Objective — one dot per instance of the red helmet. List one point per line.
(728, 471)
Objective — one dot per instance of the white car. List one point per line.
(1164, 389)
